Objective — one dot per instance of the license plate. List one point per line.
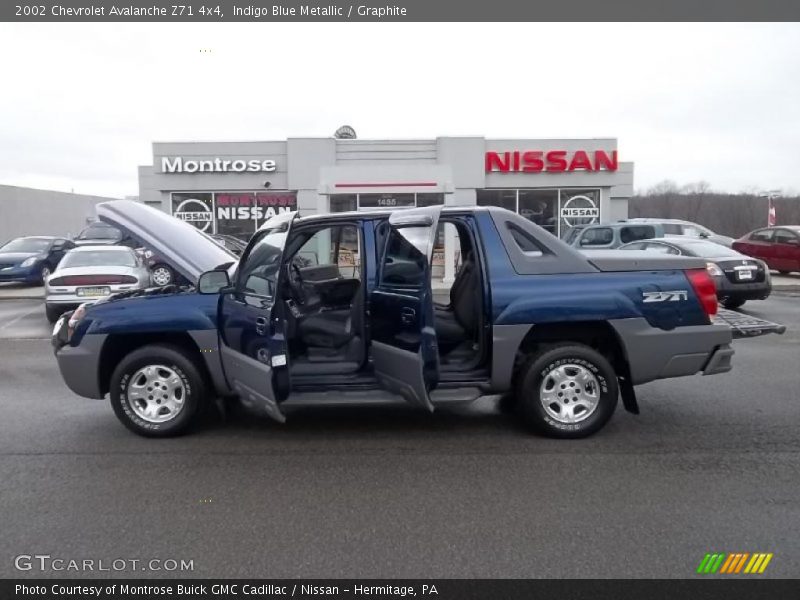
(94, 291)
(743, 275)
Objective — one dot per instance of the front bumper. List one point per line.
(19, 275)
(654, 353)
(79, 365)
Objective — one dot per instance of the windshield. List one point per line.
(98, 258)
(32, 245)
(710, 250)
(99, 232)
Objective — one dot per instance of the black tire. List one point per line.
(784, 272)
(162, 275)
(733, 303)
(53, 312)
(44, 272)
(174, 359)
(541, 364)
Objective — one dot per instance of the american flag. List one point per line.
(771, 221)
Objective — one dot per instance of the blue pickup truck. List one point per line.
(561, 333)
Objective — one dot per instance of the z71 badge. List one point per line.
(671, 296)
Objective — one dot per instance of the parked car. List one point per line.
(31, 259)
(563, 331)
(672, 227)
(779, 247)
(89, 273)
(607, 236)
(102, 234)
(738, 278)
(230, 242)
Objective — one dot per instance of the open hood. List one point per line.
(185, 248)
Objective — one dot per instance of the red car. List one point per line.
(779, 247)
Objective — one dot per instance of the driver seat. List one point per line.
(333, 328)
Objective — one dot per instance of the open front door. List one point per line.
(252, 336)
(404, 349)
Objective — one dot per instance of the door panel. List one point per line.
(253, 341)
(404, 348)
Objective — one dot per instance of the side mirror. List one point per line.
(212, 282)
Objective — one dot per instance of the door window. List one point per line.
(636, 232)
(660, 248)
(335, 250)
(598, 236)
(406, 257)
(764, 235)
(258, 274)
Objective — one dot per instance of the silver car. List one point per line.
(88, 273)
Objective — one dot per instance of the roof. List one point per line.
(383, 214)
(101, 247)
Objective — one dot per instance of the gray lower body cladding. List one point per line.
(80, 365)
(654, 353)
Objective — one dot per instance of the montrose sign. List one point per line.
(552, 161)
(178, 164)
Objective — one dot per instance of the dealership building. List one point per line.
(233, 187)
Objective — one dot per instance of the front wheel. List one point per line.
(156, 391)
(162, 275)
(567, 391)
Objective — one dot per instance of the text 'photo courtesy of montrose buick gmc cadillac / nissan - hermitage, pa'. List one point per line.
(339, 309)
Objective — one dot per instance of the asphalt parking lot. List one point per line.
(711, 465)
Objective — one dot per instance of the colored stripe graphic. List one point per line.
(734, 563)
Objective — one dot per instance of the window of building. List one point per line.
(367, 201)
(343, 202)
(503, 198)
(540, 207)
(430, 199)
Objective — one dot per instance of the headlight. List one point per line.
(75, 318)
(714, 270)
(29, 262)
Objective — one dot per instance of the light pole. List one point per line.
(769, 195)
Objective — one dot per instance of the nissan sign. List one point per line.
(554, 161)
(178, 164)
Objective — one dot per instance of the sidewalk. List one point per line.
(785, 283)
(19, 291)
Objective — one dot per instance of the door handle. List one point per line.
(408, 315)
(261, 325)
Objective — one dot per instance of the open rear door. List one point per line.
(404, 350)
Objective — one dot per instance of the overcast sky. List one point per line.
(82, 103)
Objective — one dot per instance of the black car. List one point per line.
(31, 259)
(739, 278)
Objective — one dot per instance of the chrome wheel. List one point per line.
(161, 276)
(156, 393)
(569, 393)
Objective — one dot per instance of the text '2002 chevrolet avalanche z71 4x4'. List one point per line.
(339, 308)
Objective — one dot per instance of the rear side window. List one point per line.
(783, 237)
(525, 242)
(660, 248)
(765, 235)
(406, 257)
(599, 236)
(631, 233)
(672, 229)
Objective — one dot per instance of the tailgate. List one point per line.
(746, 325)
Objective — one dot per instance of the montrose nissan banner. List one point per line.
(265, 11)
(231, 213)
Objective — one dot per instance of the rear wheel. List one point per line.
(162, 275)
(44, 273)
(567, 391)
(156, 391)
(53, 312)
(733, 303)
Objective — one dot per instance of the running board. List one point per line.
(376, 397)
(745, 326)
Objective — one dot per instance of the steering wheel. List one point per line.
(295, 278)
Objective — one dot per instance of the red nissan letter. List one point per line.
(556, 161)
(493, 160)
(532, 161)
(602, 161)
(580, 160)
